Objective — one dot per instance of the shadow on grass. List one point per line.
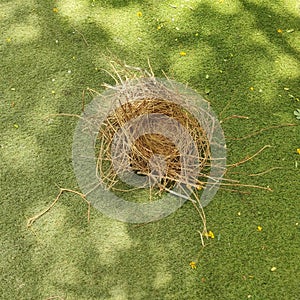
(107, 259)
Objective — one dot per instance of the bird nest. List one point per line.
(161, 160)
(150, 134)
(154, 135)
(145, 146)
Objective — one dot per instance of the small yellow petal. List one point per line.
(273, 269)
(251, 88)
(193, 265)
(55, 9)
(298, 150)
(182, 53)
(279, 30)
(209, 234)
(259, 228)
(139, 14)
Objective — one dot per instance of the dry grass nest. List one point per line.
(154, 155)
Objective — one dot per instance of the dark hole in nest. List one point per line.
(153, 155)
(160, 159)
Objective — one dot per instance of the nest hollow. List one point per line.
(152, 155)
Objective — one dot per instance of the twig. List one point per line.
(249, 158)
(150, 67)
(201, 236)
(199, 208)
(235, 191)
(224, 109)
(180, 195)
(31, 220)
(260, 131)
(92, 91)
(234, 117)
(248, 185)
(111, 75)
(83, 100)
(83, 37)
(267, 171)
(116, 72)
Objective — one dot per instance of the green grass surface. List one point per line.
(45, 64)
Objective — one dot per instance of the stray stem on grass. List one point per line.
(264, 172)
(260, 131)
(31, 220)
(249, 158)
(83, 100)
(247, 186)
(234, 117)
(81, 34)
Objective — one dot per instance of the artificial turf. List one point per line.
(243, 56)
